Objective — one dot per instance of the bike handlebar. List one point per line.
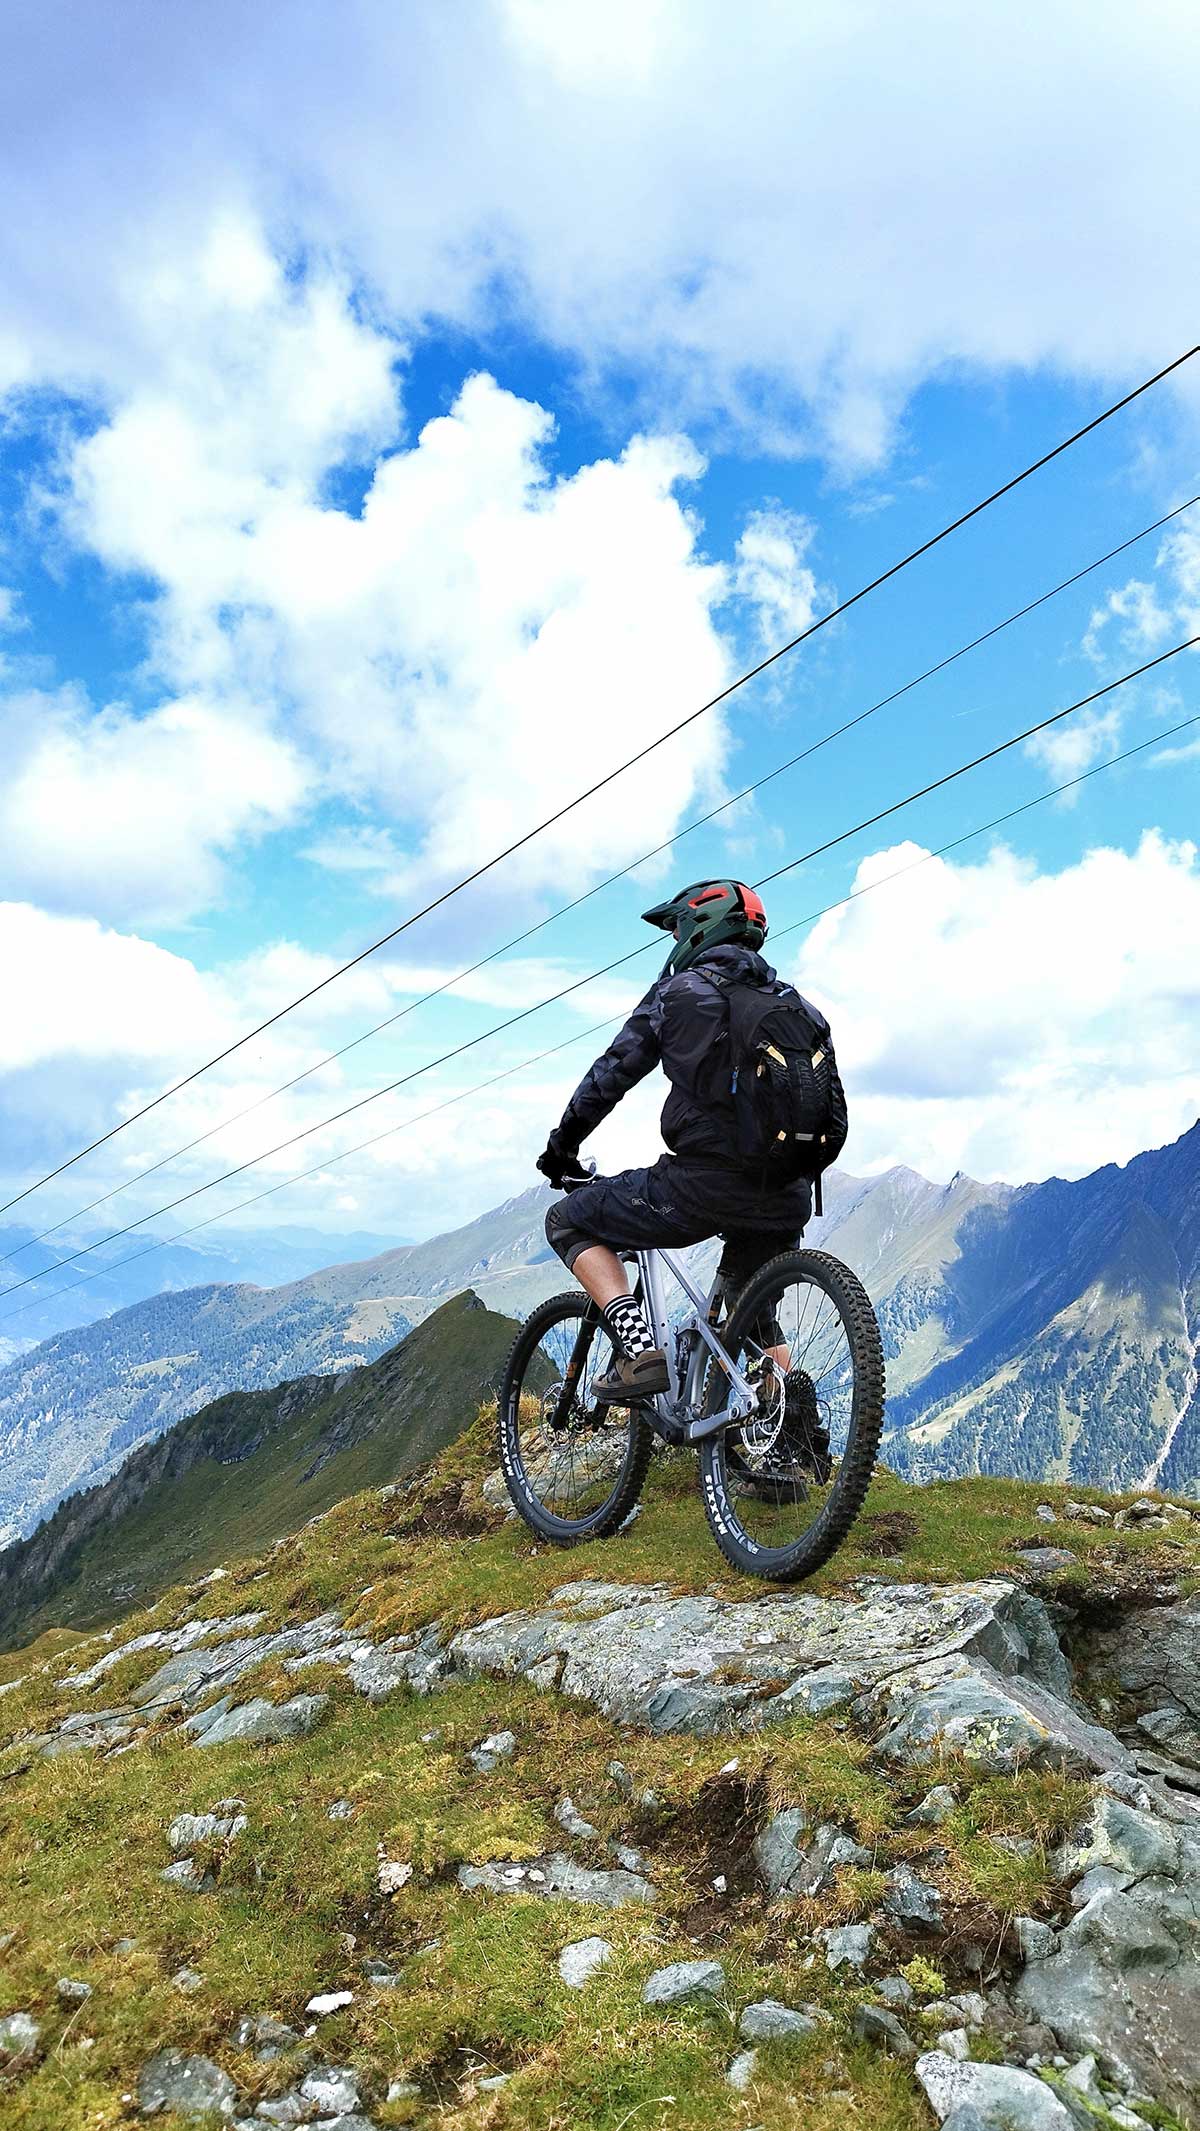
(576, 1183)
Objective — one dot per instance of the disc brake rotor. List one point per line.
(760, 1433)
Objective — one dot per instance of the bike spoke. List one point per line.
(570, 1469)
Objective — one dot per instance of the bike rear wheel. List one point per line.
(782, 1488)
(574, 1470)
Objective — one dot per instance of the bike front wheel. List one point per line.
(574, 1469)
(782, 1488)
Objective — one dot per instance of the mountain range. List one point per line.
(1047, 1330)
(249, 1468)
(117, 1275)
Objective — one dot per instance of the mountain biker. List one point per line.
(698, 1190)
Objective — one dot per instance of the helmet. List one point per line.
(706, 914)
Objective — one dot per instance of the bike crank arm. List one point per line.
(738, 1409)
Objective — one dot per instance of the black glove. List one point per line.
(559, 1163)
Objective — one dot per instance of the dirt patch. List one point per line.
(448, 1514)
(1111, 1586)
(452, 2077)
(888, 1532)
(711, 1839)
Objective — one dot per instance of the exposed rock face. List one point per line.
(258, 1720)
(972, 1668)
(976, 1668)
(1153, 1660)
(559, 1878)
(1124, 1980)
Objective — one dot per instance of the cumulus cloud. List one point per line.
(133, 817)
(465, 652)
(1011, 1021)
(749, 220)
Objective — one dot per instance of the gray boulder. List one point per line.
(497, 1747)
(778, 1851)
(330, 2090)
(936, 1806)
(912, 1901)
(1000, 2097)
(683, 1982)
(1036, 1940)
(572, 1822)
(20, 2036)
(875, 2023)
(847, 1945)
(188, 1877)
(169, 2082)
(768, 2021)
(188, 1829)
(741, 2072)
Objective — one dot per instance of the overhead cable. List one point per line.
(581, 1036)
(822, 621)
(519, 940)
(871, 821)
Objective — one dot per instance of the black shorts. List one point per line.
(676, 1203)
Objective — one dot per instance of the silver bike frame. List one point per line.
(670, 1405)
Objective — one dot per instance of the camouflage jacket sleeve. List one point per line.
(629, 1057)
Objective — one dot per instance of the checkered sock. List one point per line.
(628, 1326)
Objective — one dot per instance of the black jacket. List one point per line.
(682, 1023)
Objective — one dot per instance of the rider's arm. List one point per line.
(629, 1057)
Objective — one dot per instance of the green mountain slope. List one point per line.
(249, 1468)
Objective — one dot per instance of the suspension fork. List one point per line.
(575, 1367)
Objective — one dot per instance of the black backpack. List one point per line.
(789, 1106)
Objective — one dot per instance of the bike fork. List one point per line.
(561, 1415)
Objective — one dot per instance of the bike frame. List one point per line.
(683, 1398)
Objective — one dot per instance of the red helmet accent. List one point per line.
(710, 895)
(753, 907)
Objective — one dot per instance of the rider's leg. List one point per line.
(599, 1270)
(587, 1229)
(741, 1258)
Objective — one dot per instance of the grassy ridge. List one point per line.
(296, 1907)
(247, 1469)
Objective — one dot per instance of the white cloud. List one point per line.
(482, 640)
(788, 219)
(1012, 1022)
(91, 993)
(1072, 747)
(134, 817)
(1145, 624)
(772, 575)
(1180, 555)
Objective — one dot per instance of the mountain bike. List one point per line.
(779, 1388)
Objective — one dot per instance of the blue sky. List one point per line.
(368, 486)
